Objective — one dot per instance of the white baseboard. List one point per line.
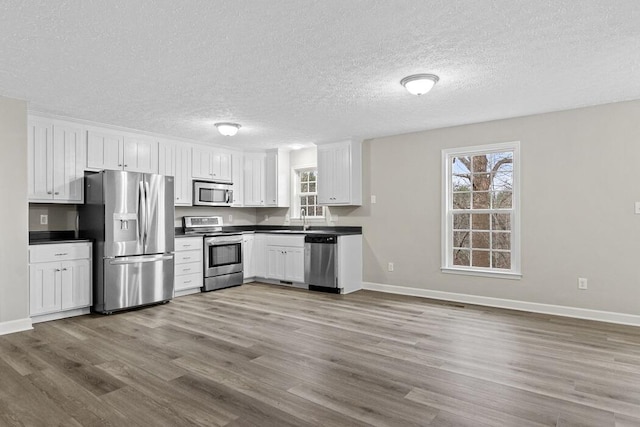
(182, 293)
(558, 310)
(15, 326)
(61, 315)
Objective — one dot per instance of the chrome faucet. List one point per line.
(303, 215)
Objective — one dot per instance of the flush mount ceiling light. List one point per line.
(227, 129)
(419, 84)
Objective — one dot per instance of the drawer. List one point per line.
(296, 241)
(188, 243)
(190, 268)
(188, 256)
(189, 281)
(59, 252)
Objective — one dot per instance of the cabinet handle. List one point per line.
(187, 281)
(48, 192)
(187, 257)
(126, 166)
(186, 269)
(56, 193)
(187, 246)
(120, 165)
(57, 269)
(61, 254)
(64, 269)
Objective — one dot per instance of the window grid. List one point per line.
(308, 193)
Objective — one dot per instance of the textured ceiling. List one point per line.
(300, 71)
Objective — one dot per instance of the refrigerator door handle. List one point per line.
(140, 259)
(147, 202)
(142, 214)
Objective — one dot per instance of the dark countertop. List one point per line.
(282, 229)
(48, 237)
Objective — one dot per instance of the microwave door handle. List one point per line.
(228, 194)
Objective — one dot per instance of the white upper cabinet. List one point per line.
(174, 159)
(237, 177)
(107, 150)
(340, 173)
(55, 154)
(277, 178)
(212, 165)
(254, 182)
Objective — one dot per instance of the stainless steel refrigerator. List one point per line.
(130, 216)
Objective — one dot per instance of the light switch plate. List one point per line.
(637, 208)
(373, 199)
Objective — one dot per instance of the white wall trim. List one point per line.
(15, 326)
(557, 310)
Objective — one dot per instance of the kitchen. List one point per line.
(308, 349)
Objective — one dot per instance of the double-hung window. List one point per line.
(481, 205)
(306, 193)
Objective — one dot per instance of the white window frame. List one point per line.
(447, 212)
(295, 194)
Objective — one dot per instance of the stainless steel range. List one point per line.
(222, 251)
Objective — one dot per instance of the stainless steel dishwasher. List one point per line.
(321, 262)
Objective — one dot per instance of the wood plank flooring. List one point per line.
(263, 355)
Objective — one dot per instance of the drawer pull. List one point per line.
(187, 257)
(187, 281)
(186, 269)
(61, 254)
(187, 246)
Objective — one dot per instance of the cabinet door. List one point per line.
(294, 264)
(167, 159)
(275, 263)
(45, 288)
(271, 179)
(254, 180)
(183, 191)
(104, 151)
(68, 151)
(325, 175)
(260, 255)
(40, 152)
(237, 169)
(247, 256)
(341, 174)
(201, 167)
(221, 166)
(141, 155)
(76, 284)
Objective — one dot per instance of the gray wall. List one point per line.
(241, 216)
(60, 217)
(14, 282)
(580, 179)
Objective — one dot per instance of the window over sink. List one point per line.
(306, 194)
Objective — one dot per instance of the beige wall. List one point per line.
(14, 283)
(60, 217)
(580, 180)
(241, 216)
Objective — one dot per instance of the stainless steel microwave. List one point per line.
(212, 194)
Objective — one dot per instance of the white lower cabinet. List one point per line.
(247, 257)
(285, 258)
(59, 280)
(188, 266)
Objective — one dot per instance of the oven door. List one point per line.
(211, 194)
(222, 255)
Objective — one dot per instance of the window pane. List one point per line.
(481, 200)
(480, 240)
(501, 260)
(480, 258)
(311, 200)
(304, 176)
(461, 221)
(501, 222)
(461, 200)
(501, 161)
(501, 241)
(304, 188)
(480, 163)
(459, 166)
(461, 183)
(313, 176)
(461, 239)
(319, 211)
(312, 187)
(480, 222)
(502, 181)
(502, 200)
(481, 181)
(461, 257)
(303, 201)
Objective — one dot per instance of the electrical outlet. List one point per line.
(582, 283)
(390, 267)
(230, 218)
(266, 217)
(373, 199)
(44, 219)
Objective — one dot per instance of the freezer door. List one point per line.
(159, 211)
(137, 280)
(124, 213)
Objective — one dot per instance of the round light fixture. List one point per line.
(227, 129)
(419, 84)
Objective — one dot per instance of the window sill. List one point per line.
(481, 273)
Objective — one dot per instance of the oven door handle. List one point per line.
(212, 241)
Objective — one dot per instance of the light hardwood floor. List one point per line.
(262, 355)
